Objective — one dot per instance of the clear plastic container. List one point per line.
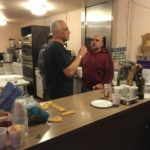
(19, 114)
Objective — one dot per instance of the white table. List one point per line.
(17, 80)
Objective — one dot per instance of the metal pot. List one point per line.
(7, 57)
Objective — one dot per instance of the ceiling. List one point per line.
(16, 13)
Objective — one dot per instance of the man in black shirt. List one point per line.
(59, 66)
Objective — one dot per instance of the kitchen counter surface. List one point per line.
(7, 77)
(18, 82)
(15, 79)
(91, 128)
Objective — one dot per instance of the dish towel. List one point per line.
(8, 89)
(8, 96)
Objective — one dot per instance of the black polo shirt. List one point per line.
(57, 59)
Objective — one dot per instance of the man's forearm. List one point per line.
(71, 69)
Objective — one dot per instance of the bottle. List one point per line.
(140, 82)
(119, 77)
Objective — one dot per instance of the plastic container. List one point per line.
(20, 116)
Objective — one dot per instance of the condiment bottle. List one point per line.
(140, 82)
(120, 76)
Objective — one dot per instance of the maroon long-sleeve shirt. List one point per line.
(97, 68)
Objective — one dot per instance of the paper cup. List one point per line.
(16, 133)
(3, 132)
(133, 90)
(116, 99)
(125, 91)
(118, 90)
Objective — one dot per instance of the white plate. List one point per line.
(129, 99)
(101, 103)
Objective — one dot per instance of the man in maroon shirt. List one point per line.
(97, 66)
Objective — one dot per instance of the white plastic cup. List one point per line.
(118, 90)
(133, 90)
(125, 91)
(116, 99)
(79, 72)
(3, 132)
(16, 133)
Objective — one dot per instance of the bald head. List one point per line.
(97, 42)
(60, 30)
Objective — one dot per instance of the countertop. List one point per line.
(14, 78)
(85, 116)
(7, 77)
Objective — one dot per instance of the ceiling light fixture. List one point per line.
(38, 8)
(40, 11)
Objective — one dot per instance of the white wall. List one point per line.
(139, 25)
(7, 32)
(74, 24)
(131, 20)
(120, 18)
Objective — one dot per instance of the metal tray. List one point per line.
(126, 101)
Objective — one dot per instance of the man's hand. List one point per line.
(82, 51)
(98, 86)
